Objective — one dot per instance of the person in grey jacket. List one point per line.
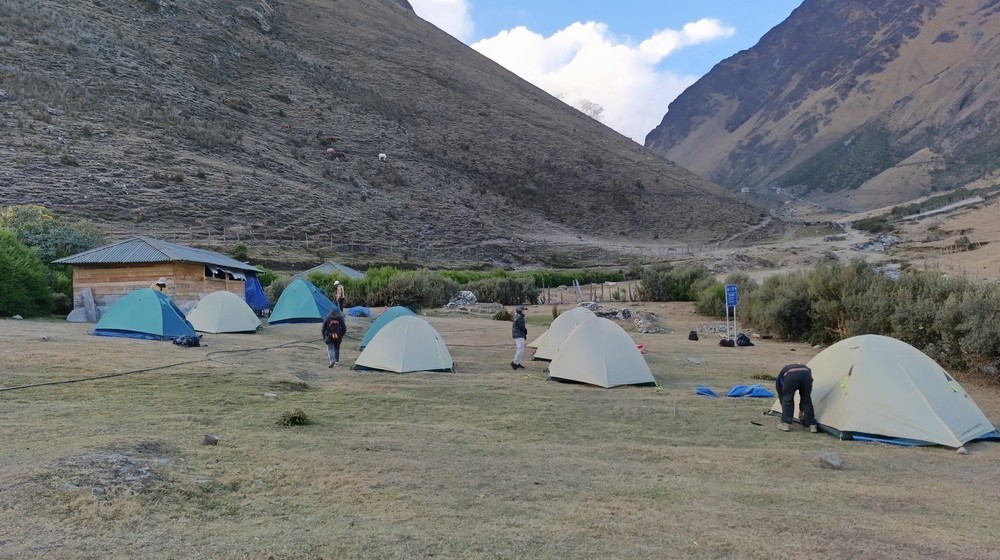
(520, 333)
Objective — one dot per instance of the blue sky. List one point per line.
(620, 61)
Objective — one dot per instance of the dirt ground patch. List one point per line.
(481, 463)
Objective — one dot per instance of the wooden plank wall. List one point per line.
(185, 281)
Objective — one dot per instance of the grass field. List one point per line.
(482, 463)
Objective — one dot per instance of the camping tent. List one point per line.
(548, 344)
(600, 352)
(301, 302)
(144, 313)
(877, 387)
(407, 343)
(223, 312)
(382, 320)
(255, 296)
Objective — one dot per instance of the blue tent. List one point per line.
(144, 313)
(255, 296)
(301, 302)
(383, 320)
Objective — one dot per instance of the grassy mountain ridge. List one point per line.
(267, 118)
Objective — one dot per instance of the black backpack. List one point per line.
(693, 335)
(727, 342)
(743, 340)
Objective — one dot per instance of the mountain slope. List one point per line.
(267, 119)
(850, 102)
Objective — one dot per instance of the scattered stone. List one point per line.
(18, 317)
(831, 461)
(45, 338)
(271, 396)
(624, 314)
(694, 361)
(98, 491)
(962, 451)
(209, 439)
(464, 297)
(591, 305)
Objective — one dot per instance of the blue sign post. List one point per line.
(732, 296)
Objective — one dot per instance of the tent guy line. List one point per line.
(292, 344)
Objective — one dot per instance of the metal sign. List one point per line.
(731, 295)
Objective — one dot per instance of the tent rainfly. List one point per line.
(548, 343)
(874, 387)
(407, 343)
(599, 352)
(382, 320)
(144, 313)
(223, 312)
(301, 302)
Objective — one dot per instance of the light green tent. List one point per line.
(144, 313)
(301, 302)
(873, 385)
(599, 352)
(381, 321)
(223, 312)
(547, 345)
(407, 343)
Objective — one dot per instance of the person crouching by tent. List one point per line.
(792, 378)
(520, 333)
(160, 285)
(334, 329)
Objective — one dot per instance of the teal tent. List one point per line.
(301, 302)
(144, 313)
(383, 320)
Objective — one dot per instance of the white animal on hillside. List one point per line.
(382, 157)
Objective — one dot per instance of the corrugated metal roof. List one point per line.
(331, 267)
(148, 250)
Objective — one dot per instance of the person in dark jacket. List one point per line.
(334, 329)
(520, 333)
(792, 378)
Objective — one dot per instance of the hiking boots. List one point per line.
(813, 429)
(513, 366)
(331, 364)
(784, 427)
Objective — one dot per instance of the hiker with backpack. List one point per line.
(792, 378)
(334, 329)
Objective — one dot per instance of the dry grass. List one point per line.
(483, 463)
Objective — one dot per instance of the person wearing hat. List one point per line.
(520, 335)
(160, 285)
(340, 294)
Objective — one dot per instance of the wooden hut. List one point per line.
(114, 270)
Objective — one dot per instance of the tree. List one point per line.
(24, 290)
(50, 236)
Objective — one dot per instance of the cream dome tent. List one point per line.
(407, 343)
(548, 343)
(223, 312)
(877, 387)
(600, 352)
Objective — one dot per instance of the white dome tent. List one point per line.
(599, 352)
(880, 388)
(407, 343)
(547, 345)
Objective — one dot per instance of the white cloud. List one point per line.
(451, 16)
(585, 64)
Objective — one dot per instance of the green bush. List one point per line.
(502, 315)
(505, 290)
(294, 418)
(24, 290)
(275, 288)
(781, 307)
(49, 235)
(419, 289)
(240, 252)
(666, 283)
(711, 301)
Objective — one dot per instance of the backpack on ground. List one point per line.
(727, 342)
(693, 335)
(743, 340)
